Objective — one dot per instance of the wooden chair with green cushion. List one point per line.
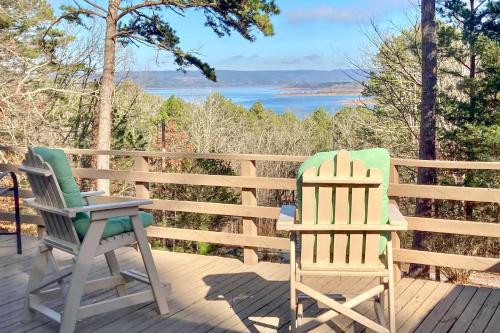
(344, 221)
(78, 224)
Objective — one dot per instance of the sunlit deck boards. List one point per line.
(214, 294)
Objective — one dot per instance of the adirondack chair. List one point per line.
(344, 222)
(84, 231)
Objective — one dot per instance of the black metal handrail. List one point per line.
(15, 191)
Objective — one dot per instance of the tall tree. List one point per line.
(427, 140)
(472, 40)
(142, 22)
(34, 76)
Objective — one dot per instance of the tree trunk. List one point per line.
(427, 144)
(106, 94)
(469, 175)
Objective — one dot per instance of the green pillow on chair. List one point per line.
(57, 159)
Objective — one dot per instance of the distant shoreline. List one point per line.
(312, 94)
(359, 102)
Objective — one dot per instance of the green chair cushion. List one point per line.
(57, 159)
(378, 158)
(114, 226)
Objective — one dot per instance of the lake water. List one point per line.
(268, 96)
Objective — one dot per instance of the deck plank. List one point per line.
(486, 313)
(456, 309)
(426, 307)
(471, 311)
(494, 323)
(225, 303)
(433, 318)
(215, 294)
(243, 303)
(415, 303)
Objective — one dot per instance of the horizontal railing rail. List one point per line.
(249, 210)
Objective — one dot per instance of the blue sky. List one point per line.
(312, 34)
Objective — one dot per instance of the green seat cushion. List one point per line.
(378, 158)
(114, 226)
(57, 159)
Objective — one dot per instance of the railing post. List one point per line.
(141, 188)
(396, 242)
(249, 198)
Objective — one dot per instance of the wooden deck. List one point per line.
(214, 294)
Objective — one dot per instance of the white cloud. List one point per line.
(344, 14)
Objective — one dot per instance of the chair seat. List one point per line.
(114, 226)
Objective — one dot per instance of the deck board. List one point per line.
(494, 323)
(440, 292)
(486, 313)
(215, 294)
(457, 308)
(471, 311)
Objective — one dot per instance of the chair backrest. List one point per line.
(47, 192)
(341, 191)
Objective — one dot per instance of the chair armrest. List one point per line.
(342, 227)
(286, 218)
(91, 194)
(109, 206)
(30, 202)
(396, 218)
(71, 212)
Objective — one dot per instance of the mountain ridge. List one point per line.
(237, 78)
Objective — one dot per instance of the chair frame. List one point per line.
(60, 234)
(288, 221)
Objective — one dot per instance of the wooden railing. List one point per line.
(249, 210)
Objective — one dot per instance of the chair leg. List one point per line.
(36, 277)
(293, 291)
(293, 307)
(57, 270)
(382, 296)
(80, 274)
(300, 313)
(147, 258)
(114, 269)
(392, 306)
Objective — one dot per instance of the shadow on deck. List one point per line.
(214, 294)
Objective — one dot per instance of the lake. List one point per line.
(268, 96)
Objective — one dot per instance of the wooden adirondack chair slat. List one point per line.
(341, 207)
(323, 243)
(374, 211)
(308, 215)
(357, 214)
